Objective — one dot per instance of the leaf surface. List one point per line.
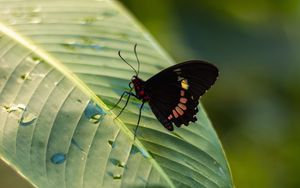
(60, 73)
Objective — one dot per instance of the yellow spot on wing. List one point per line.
(184, 84)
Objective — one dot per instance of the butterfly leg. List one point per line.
(125, 92)
(138, 123)
(129, 95)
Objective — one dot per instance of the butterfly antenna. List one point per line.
(137, 58)
(119, 52)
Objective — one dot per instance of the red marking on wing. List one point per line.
(175, 114)
(183, 100)
(180, 112)
(182, 106)
(170, 117)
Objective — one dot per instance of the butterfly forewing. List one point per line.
(174, 92)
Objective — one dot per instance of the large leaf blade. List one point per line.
(82, 46)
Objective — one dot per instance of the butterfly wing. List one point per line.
(174, 92)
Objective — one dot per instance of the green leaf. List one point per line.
(60, 73)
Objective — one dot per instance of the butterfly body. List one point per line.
(139, 87)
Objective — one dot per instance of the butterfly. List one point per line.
(172, 94)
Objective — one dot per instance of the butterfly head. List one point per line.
(135, 79)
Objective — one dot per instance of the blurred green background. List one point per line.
(255, 104)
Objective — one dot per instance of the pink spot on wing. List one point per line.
(182, 106)
(175, 114)
(170, 117)
(183, 100)
(180, 112)
(182, 93)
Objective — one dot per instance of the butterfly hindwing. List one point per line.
(174, 92)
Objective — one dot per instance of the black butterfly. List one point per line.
(173, 94)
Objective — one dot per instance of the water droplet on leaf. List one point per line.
(117, 176)
(111, 143)
(121, 164)
(15, 107)
(93, 112)
(27, 119)
(58, 158)
(34, 59)
(71, 44)
(25, 76)
(95, 118)
(56, 83)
